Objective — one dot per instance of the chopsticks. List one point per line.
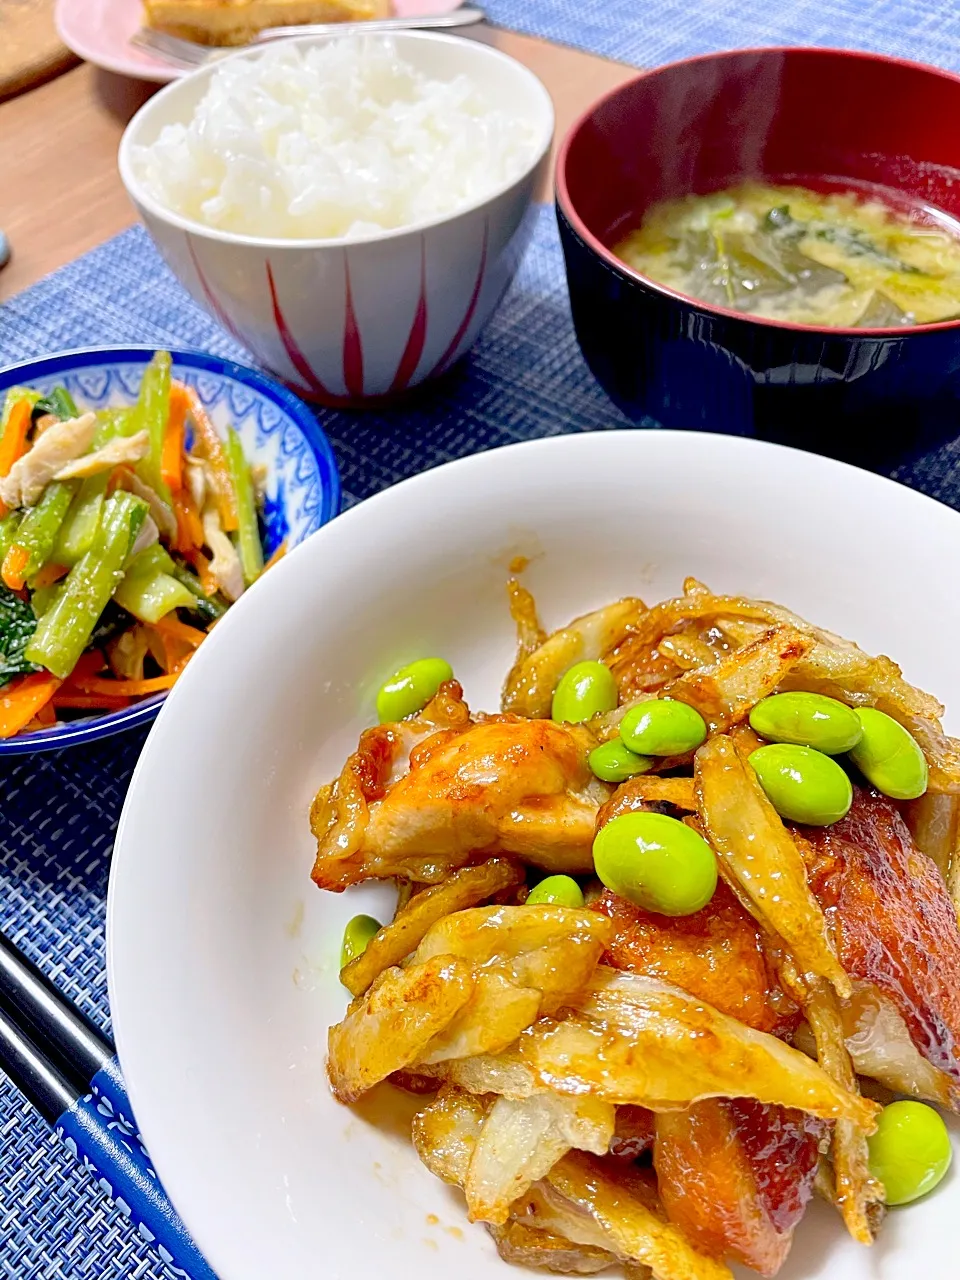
(67, 1069)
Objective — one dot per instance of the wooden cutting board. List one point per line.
(30, 50)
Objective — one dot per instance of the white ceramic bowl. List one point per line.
(350, 321)
(222, 954)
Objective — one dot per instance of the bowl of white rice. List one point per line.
(350, 209)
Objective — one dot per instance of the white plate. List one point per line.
(222, 954)
(99, 31)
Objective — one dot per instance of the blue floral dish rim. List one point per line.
(72, 733)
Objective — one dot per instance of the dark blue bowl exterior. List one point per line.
(872, 400)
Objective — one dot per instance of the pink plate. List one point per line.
(99, 31)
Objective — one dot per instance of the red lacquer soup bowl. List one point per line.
(803, 115)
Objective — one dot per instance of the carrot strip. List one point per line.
(90, 702)
(14, 442)
(14, 567)
(189, 525)
(22, 699)
(49, 574)
(202, 565)
(127, 688)
(277, 556)
(118, 478)
(88, 665)
(171, 456)
(211, 448)
(46, 716)
(172, 627)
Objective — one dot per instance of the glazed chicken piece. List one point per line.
(735, 1175)
(895, 925)
(503, 785)
(715, 954)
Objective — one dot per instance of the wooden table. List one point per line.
(61, 193)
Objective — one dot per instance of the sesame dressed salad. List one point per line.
(125, 534)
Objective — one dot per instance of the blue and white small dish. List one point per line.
(275, 428)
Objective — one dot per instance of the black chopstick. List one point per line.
(69, 1039)
(68, 1070)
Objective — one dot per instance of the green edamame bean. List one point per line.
(807, 720)
(803, 785)
(558, 891)
(663, 727)
(889, 757)
(411, 688)
(356, 936)
(587, 689)
(910, 1151)
(656, 862)
(613, 761)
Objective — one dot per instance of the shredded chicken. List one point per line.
(258, 478)
(162, 515)
(44, 423)
(148, 535)
(225, 565)
(31, 474)
(122, 449)
(197, 481)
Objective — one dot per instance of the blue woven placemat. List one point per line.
(524, 379)
(648, 32)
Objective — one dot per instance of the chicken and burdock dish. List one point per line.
(676, 945)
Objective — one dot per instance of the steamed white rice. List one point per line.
(341, 140)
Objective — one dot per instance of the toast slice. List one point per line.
(236, 22)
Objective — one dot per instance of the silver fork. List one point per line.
(188, 55)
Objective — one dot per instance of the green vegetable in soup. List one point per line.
(788, 253)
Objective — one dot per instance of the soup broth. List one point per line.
(789, 253)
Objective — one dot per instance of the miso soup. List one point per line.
(789, 253)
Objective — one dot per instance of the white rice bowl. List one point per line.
(336, 141)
